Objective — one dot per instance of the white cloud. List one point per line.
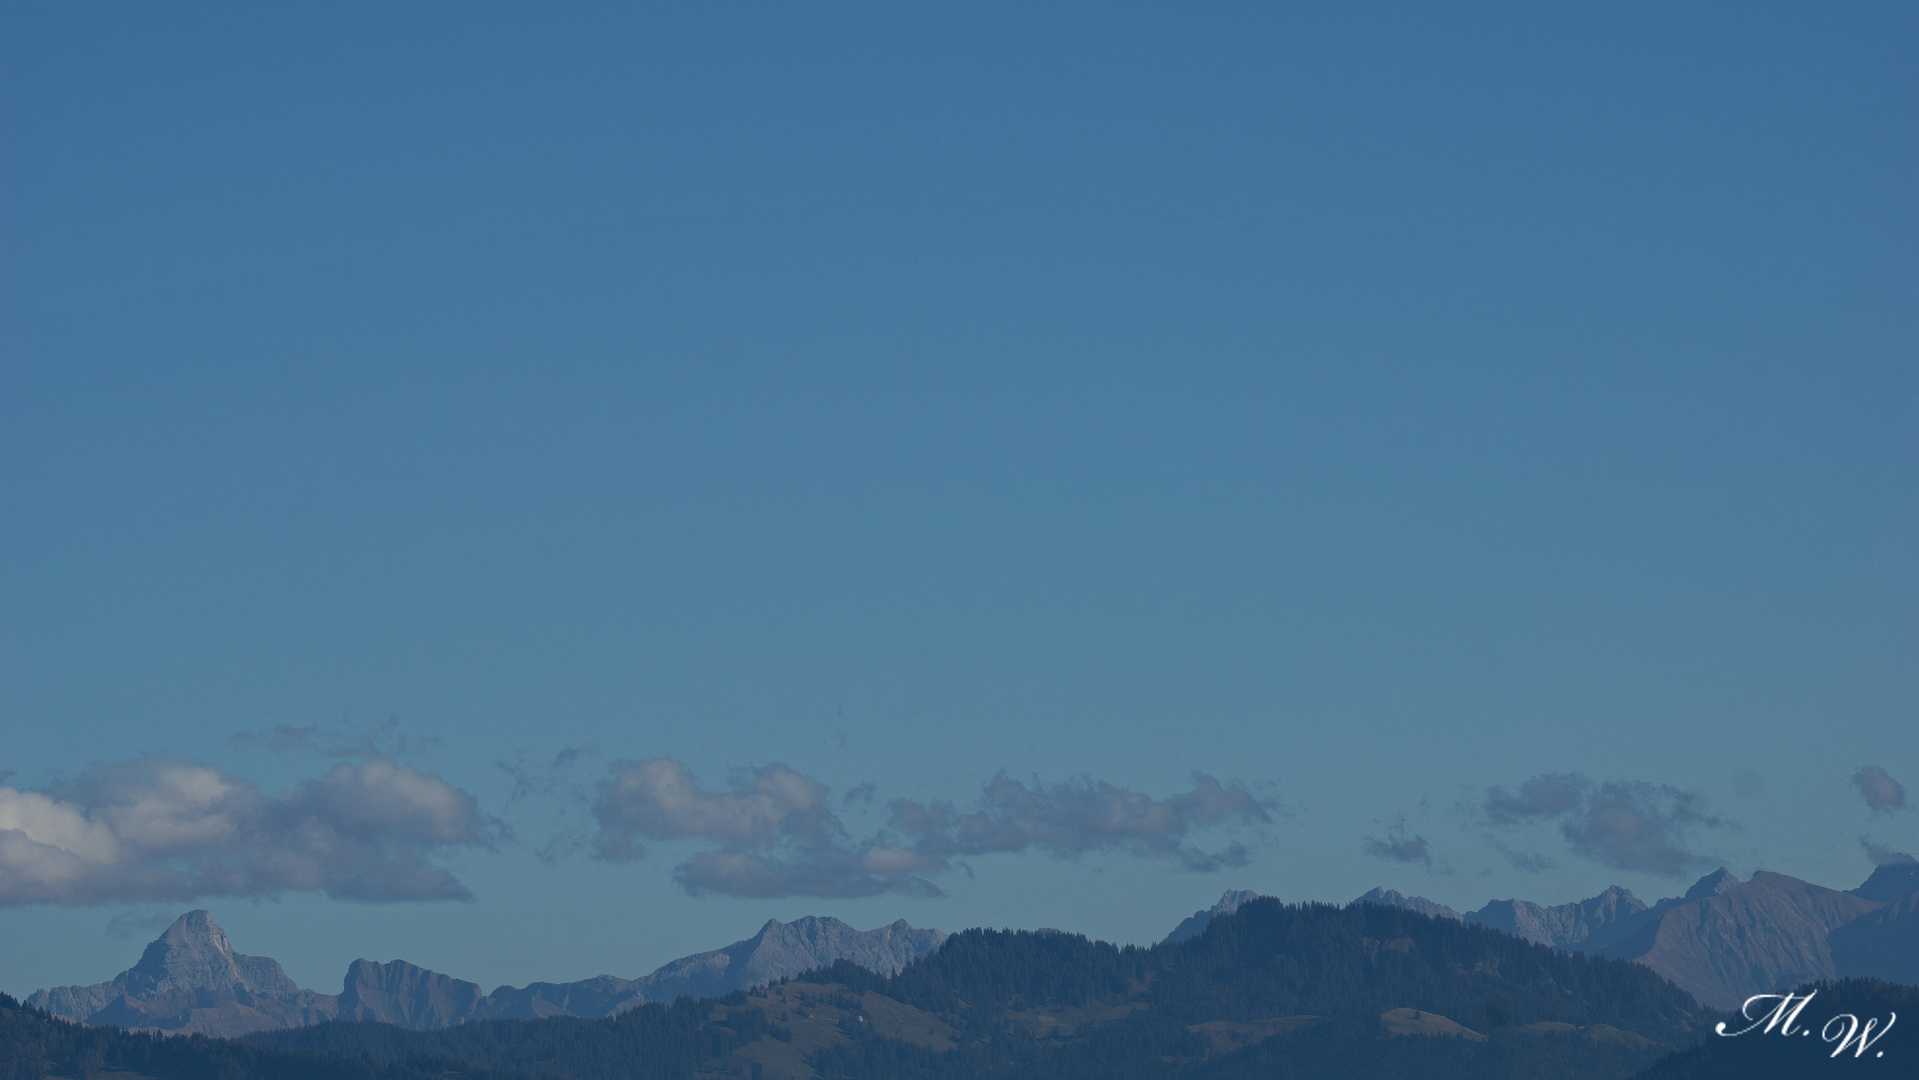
(159, 829)
(660, 799)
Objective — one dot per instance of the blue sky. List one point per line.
(1366, 406)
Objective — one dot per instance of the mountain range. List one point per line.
(1269, 991)
(190, 980)
(1369, 990)
(1723, 941)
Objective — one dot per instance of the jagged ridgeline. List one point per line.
(1271, 990)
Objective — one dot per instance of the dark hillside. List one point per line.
(34, 1045)
(1763, 1055)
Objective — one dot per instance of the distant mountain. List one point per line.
(1883, 944)
(1725, 940)
(1395, 898)
(602, 995)
(405, 994)
(780, 950)
(191, 980)
(1766, 934)
(1268, 991)
(1584, 925)
(1893, 881)
(1195, 924)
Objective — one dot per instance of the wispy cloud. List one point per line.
(1882, 793)
(346, 739)
(1074, 817)
(1400, 847)
(557, 788)
(1881, 855)
(773, 831)
(1526, 862)
(161, 829)
(1625, 824)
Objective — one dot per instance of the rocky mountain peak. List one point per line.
(193, 936)
(1719, 881)
(190, 980)
(194, 954)
(1890, 883)
(785, 949)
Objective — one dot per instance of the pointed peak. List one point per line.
(197, 921)
(1712, 884)
(195, 928)
(1890, 881)
(194, 951)
(1618, 896)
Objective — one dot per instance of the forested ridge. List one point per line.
(34, 1045)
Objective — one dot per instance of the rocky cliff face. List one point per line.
(191, 980)
(1395, 898)
(409, 996)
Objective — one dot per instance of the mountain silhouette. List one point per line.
(190, 980)
(1725, 940)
